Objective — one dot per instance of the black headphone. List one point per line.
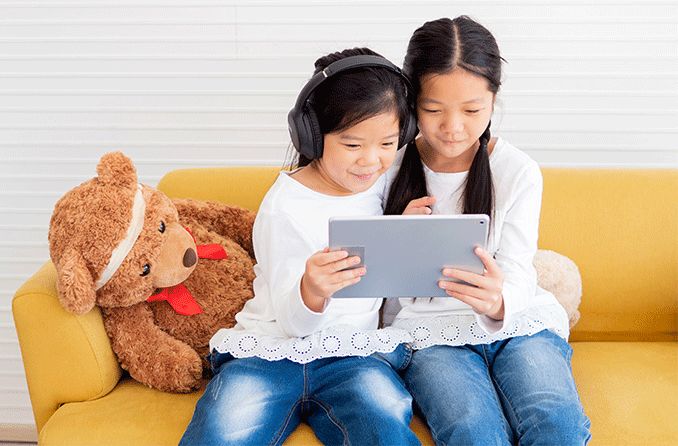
(303, 122)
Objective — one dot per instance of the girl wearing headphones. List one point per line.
(295, 353)
(491, 364)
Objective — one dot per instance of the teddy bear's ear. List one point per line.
(116, 169)
(75, 283)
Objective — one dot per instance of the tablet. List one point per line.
(405, 254)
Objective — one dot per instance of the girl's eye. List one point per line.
(146, 270)
(162, 227)
(352, 146)
(430, 111)
(472, 111)
(389, 144)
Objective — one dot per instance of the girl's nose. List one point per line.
(370, 156)
(453, 124)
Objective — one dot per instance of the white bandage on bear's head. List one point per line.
(127, 243)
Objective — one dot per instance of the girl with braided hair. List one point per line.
(491, 363)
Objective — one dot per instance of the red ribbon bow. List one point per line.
(178, 296)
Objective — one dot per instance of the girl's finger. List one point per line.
(467, 276)
(488, 261)
(342, 264)
(423, 201)
(477, 293)
(325, 258)
(343, 276)
(346, 283)
(420, 206)
(478, 305)
(417, 211)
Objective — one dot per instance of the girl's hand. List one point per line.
(486, 297)
(324, 276)
(420, 206)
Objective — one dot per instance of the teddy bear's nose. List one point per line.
(189, 258)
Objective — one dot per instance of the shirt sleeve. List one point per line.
(517, 247)
(282, 249)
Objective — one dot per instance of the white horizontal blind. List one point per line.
(206, 83)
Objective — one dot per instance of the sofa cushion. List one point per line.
(629, 391)
(133, 414)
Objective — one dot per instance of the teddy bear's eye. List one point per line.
(162, 227)
(146, 270)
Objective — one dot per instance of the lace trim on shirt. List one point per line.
(464, 329)
(331, 342)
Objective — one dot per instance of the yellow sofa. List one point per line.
(619, 226)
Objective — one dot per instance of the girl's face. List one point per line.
(453, 110)
(355, 158)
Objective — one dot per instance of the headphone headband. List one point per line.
(347, 63)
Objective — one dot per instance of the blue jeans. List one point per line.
(347, 400)
(515, 391)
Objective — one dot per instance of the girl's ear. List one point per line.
(75, 283)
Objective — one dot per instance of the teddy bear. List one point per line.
(166, 274)
(559, 275)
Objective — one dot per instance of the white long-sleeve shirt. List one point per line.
(292, 225)
(512, 240)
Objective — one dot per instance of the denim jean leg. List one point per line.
(399, 358)
(359, 400)
(534, 378)
(452, 388)
(250, 401)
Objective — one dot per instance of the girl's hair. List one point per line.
(439, 47)
(350, 97)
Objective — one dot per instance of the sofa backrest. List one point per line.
(620, 226)
(238, 186)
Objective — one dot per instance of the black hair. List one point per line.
(439, 47)
(350, 97)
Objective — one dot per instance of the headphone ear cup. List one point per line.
(410, 129)
(314, 133)
(294, 128)
(304, 133)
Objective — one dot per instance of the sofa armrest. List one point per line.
(67, 358)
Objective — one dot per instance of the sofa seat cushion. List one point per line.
(629, 391)
(133, 414)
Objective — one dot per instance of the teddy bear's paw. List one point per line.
(179, 372)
